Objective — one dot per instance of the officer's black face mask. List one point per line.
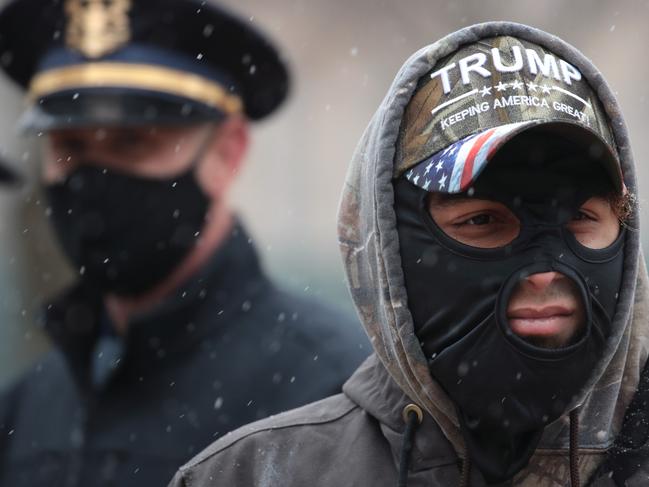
(507, 389)
(125, 233)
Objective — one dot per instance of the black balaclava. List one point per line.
(505, 388)
(125, 233)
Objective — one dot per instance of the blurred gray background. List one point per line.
(344, 55)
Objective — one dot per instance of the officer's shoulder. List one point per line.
(287, 429)
(311, 312)
(46, 372)
(40, 384)
(319, 324)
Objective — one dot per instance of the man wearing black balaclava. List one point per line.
(489, 233)
(173, 335)
(533, 252)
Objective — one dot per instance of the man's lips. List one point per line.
(547, 321)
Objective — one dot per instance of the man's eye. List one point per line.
(582, 216)
(482, 219)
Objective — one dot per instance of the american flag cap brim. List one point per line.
(454, 169)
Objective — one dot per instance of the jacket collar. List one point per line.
(372, 388)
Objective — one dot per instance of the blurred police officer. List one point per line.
(173, 335)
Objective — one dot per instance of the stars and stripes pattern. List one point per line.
(453, 169)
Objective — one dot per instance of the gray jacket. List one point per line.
(356, 438)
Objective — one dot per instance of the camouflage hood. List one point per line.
(370, 248)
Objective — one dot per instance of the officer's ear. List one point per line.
(224, 158)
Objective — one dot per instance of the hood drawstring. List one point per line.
(574, 448)
(466, 471)
(412, 416)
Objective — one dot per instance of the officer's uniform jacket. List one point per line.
(226, 349)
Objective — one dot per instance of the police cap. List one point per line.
(137, 62)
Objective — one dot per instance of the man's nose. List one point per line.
(542, 280)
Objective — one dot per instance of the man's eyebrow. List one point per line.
(446, 200)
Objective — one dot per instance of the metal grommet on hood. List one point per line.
(412, 408)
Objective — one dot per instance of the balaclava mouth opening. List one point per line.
(524, 153)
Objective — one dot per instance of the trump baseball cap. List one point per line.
(482, 96)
